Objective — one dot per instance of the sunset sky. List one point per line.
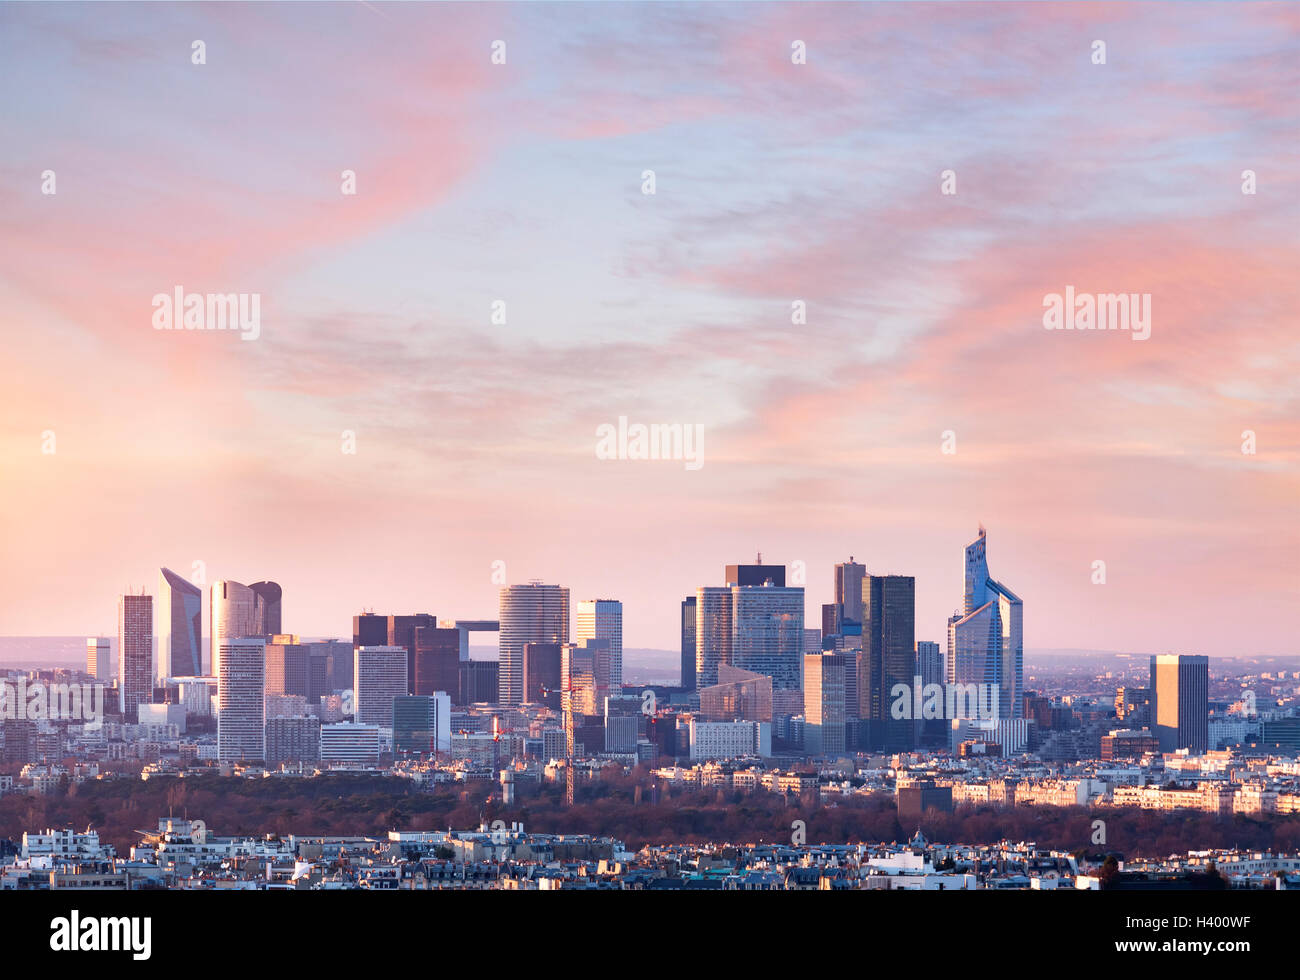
(776, 182)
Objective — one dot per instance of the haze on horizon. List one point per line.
(776, 183)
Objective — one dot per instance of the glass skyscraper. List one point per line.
(180, 627)
(986, 642)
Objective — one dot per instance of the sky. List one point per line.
(124, 448)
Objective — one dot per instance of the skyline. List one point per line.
(477, 442)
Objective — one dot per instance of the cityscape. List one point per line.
(854, 726)
(666, 447)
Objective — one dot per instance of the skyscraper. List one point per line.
(888, 656)
(232, 615)
(848, 591)
(712, 633)
(288, 667)
(134, 653)
(380, 678)
(929, 662)
(767, 632)
(531, 613)
(602, 619)
(437, 660)
(543, 674)
(99, 662)
(823, 699)
(985, 641)
(180, 627)
(1180, 702)
(266, 608)
(422, 723)
(688, 644)
(241, 700)
(401, 633)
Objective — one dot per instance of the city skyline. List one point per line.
(385, 403)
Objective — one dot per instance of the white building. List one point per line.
(351, 743)
(380, 675)
(241, 700)
(730, 739)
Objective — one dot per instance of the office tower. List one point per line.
(369, 630)
(823, 704)
(99, 659)
(180, 629)
(422, 724)
(241, 700)
(622, 722)
(688, 644)
(401, 633)
(757, 574)
(266, 608)
(985, 642)
(767, 632)
(134, 653)
(437, 660)
(602, 619)
(349, 743)
(532, 613)
(380, 677)
(929, 663)
(478, 682)
(713, 629)
(832, 617)
(739, 695)
(848, 590)
(232, 615)
(543, 678)
(584, 676)
(1180, 702)
(293, 739)
(888, 655)
(288, 667)
(337, 657)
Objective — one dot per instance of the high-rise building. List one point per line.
(767, 632)
(848, 591)
(543, 680)
(584, 677)
(623, 720)
(180, 627)
(602, 619)
(232, 615)
(134, 653)
(293, 738)
(531, 613)
(887, 658)
(688, 644)
(401, 633)
(929, 662)
(823, 701)
(478, 682)
(241, 700)
(99, 658)
(288, 667)
(985, 641)
(369, 630)
(337, 659)
(713, 609)
(1180, 702)
(266, 608)
(381, 675)
(350, 744)
(422, 724)
(739, 695)
(757, 574)
(437, 660)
